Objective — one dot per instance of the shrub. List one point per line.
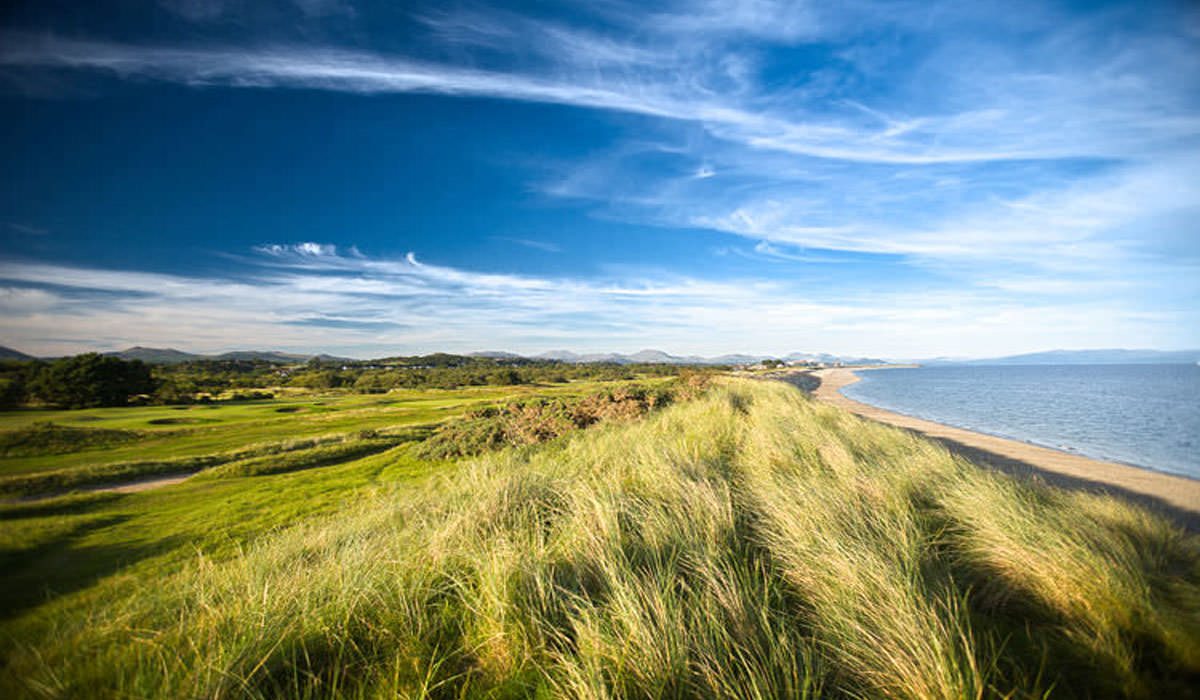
(539, 420)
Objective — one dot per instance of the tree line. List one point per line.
(92, 380)
(82, 381)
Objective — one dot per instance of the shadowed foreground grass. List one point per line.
(751, 543)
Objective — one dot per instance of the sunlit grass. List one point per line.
(750, 543)
(177, 432)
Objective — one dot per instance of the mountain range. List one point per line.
(660, 357)
(166, 356)
(171, 356)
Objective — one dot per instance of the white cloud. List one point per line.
(1045, 171)
(543, 246)
(382, 306)
(1016, 116)
(306, 249)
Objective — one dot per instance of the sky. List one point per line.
(903, 179)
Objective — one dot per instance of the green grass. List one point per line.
(81, 448)
(750, 543)
(48, 438)
(173, 432)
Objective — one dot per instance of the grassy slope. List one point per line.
(749, 544)
(232, 431)
(209, 428)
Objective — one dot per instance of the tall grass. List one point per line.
(750, 543)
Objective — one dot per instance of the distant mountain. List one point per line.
(560, 355)
(155, 356)
(497, 355)
(171, 356)
(575, 358)
(276, 356)
(267, 355)
(1094, 357)
(660, 357)
(10, 354)
(828, 359)
(606, 357)
(656, 356)
(736, 359)
(642, 356)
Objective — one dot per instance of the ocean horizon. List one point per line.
(1147, 416)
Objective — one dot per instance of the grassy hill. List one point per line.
(749, 543)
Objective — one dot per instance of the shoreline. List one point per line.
(1178, 495)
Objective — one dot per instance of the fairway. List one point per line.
(187, 431)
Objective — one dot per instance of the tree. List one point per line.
(15, 376)
(12, 392)
(175, 391)
(89, 380)
(506, 377)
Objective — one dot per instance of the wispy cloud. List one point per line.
(1019, 116)
(368, 306)
(543, 246)
(1036, 166)
(307, 249)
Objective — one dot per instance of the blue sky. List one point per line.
(899, 179)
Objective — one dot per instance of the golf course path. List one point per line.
(1178, 496)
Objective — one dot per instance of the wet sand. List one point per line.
(1176, 496)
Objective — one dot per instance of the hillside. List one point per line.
(171, 356)
(7, 353)
(155, 356)
(749, 543)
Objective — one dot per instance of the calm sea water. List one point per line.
(1145, 415)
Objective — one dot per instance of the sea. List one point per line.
(1143, 415)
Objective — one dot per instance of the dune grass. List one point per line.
(750, 544)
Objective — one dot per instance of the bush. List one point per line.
(539, 420)
(251, 396)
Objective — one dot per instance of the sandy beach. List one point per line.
(1178, 496)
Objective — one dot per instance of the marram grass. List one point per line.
(748, 544)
